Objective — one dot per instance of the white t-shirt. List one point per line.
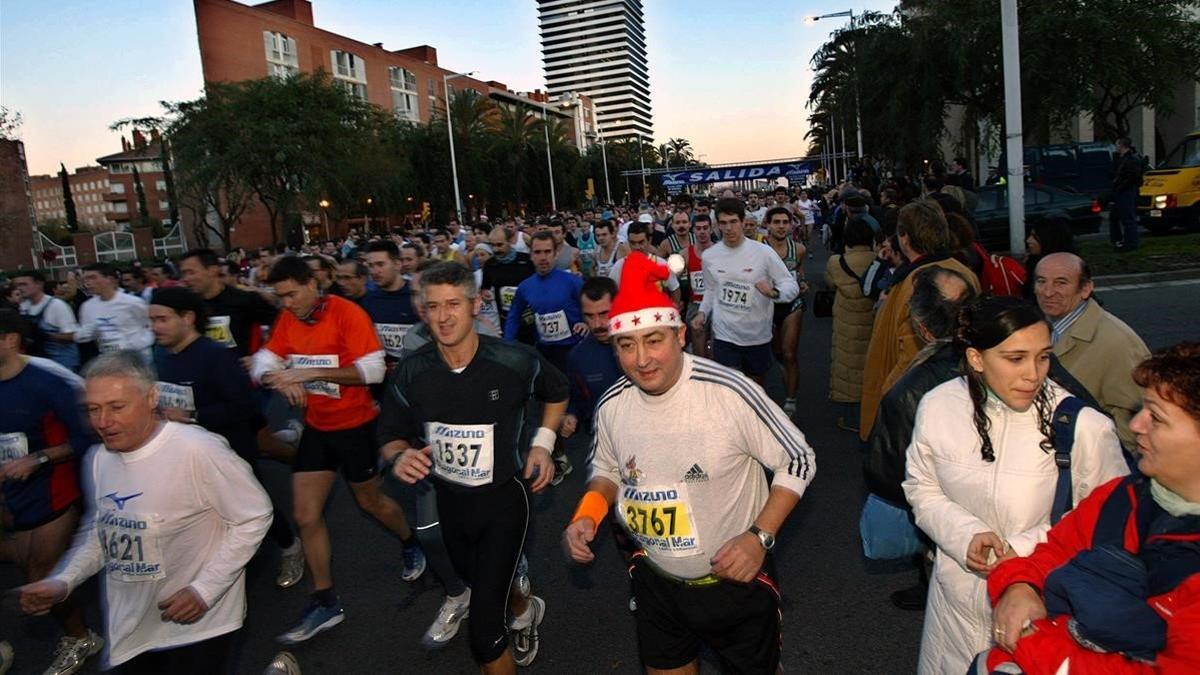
(614, 273)
(688, 464)
(119, 323)
(183, 510)
(740, 313)
(55, 314)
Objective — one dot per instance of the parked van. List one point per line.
(1170, 193)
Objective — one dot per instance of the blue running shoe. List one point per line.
(414, 563)
(317, 618)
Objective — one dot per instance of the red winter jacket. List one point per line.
(1045, 650)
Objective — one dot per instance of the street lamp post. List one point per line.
(450, 133)
(549, 163)
(857, 107)
(1011, 52)
(324, 204)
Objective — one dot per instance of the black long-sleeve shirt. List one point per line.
(220, 389)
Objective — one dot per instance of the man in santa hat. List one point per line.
(682, 446)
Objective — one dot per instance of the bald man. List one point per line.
(1096, 347)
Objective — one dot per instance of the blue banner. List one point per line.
(793, 171)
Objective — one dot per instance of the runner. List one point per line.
(742, 280)
(553, 295)
(390, 306)
(591, 365)
(585, 240)
(178, 516)
(702, 230)
(608, 249)
(691, 489)
(789, 316)
(501, 276)
(323, 354)
(52, 319)
(41, 436)
(235, 320)
(235, 316)
(201, 382)
(639, 240)
(352, 277)
(680, 237)
(472, 388)
(566, 257)
(112, 319)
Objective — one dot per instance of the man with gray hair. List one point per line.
(177, 517)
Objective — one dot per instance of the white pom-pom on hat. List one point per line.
(676, 263)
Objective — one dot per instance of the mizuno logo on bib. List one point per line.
(391, 335)
(12, 446)
(171, 395)
(131, 546)
(319, 387)
(553, 327)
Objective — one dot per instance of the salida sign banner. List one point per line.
(793, 171)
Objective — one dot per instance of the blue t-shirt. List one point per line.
(393, 314)
(554, 300)
(219, 389)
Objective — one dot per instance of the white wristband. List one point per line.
(544, 438)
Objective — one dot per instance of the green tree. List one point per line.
(68, 200)
(143, 217)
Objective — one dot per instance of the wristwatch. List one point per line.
(765, 538)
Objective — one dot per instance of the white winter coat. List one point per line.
(955, 495)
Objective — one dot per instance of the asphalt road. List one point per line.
(837, 618)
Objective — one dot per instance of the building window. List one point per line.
(120, 207)
(404, 94)
(164, 206)
(160, 185)
(282, 59)
(351, 72)
(118, 188)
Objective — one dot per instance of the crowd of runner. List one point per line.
(990, 395)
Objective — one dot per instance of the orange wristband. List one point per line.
(594, 506)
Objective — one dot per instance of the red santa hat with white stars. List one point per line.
(641, 302)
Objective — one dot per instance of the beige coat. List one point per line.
(1101, 351)
(853, 315)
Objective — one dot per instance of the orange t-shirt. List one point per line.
(341, 334)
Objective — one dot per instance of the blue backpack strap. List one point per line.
(1065, 417)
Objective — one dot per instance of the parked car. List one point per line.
(1085, 168)
(1041, 202)
(1170, 193)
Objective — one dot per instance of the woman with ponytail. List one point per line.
(981, 473)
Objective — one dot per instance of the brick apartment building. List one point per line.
(16, 208)
(105, 197)
(279, 38)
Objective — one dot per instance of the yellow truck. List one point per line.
(1170, 193)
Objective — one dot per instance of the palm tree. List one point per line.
(515, 132)
(681, 150)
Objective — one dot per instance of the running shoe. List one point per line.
(291, 565)
(789, 407)
(449, 617)
(317, 618)
(414, 562)
(72, 652)
(284, 663)
(6, 657)
(525, 631)
(523, 584)
(562, 467)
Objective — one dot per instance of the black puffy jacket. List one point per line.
(887, 447)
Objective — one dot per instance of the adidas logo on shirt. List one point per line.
(695, 475)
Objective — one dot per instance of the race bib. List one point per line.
(697, 281)
(108, 340)
(131, 546)
(12, 446)
(553, 327)
(320, 387)
(507, 293)
(218, 330)
(171, 395)
(463, 453)
(391, 335)
(735, 296)
(660, 519)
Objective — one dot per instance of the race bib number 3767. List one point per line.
(660, 519)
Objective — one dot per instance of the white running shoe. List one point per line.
(449, 618)
(291, 565)
(525, 631)
(71, 653)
